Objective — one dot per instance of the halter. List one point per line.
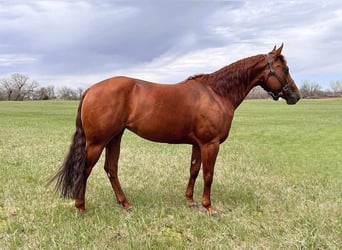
(284, 85)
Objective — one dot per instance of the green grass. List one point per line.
(277, 184)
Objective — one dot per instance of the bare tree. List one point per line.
(51, 92)
(7, 87)
(336, 87)
(23, 88)
(41, 94)
(79, 92)
(45, 93)
(310, 89)
(18, 87)
(67, 93)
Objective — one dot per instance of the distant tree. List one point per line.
(41, 94)
(336, 87)
(45, 93)
(257, 93)
(310, 89)
(18, 87)
(79, 92)
(67, 93)
(51, 92)
(7, 88)
(23, 87)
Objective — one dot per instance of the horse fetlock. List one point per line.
(80, 205)
(126, 205)
(190, 200)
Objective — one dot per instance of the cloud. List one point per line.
(81, 42)
(10, 60)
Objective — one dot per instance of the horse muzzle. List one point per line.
(292, 98)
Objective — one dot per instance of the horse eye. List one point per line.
(286, 70)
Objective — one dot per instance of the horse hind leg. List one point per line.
(111, 168)
(93, 155)
(195, 166)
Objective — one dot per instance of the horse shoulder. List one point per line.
(213, 116)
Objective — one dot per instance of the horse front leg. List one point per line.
(195, 166)
(208, 153)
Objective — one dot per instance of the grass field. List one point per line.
(277, 184)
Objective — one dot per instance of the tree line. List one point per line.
(308, 90)
(19, 87)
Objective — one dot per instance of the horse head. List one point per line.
(277, 79)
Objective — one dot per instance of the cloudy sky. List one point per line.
(78, 43)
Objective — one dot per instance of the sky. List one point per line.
(79, 43)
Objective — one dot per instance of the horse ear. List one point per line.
(275, 46)
(278, 51)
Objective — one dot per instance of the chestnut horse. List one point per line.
(196, 111)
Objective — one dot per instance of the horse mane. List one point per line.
(232, 80)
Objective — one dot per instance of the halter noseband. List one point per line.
(284, 85)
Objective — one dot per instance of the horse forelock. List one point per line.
(282, 59)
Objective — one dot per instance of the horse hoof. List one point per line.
(213, 213)
(128, 209)
(193, 205)
(82, 210)
(127, 206)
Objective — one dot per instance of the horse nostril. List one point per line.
(297, 97)
(293, 98)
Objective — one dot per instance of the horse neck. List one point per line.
(236, 80)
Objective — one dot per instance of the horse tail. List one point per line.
(70, 178)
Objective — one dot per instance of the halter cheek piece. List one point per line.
(284, 85)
